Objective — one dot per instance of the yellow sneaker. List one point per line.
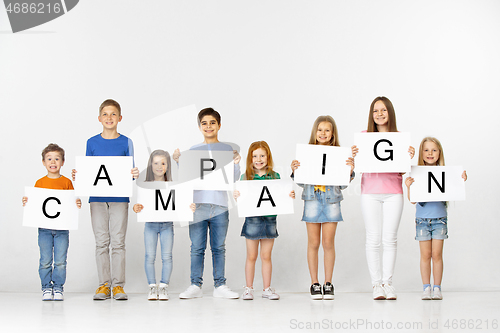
(102, 293)
(119, 294)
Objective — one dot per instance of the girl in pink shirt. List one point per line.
(381, 206)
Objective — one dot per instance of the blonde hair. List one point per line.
(250, 172)
(149, 173)
(391, 122)
(334, 141)
(440, 161)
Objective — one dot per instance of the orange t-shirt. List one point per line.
(61, 183)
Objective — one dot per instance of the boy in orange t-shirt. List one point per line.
(53, 243)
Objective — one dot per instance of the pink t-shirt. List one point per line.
(381, 183)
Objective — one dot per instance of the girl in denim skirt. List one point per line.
(259, 229)
(158, 170)
(431, 223)
(322, 212)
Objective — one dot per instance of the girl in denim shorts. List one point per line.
(322, 212)
(259, 229)
(431, 223)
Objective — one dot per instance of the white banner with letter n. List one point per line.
(382, 152)
(264, 197)
(164, 202)
(50, 209)
(322, 165)
(437, 183)
(104, 176)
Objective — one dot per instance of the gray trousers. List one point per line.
(109, 223)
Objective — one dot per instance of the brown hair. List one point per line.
(334, 141)
(250, 172)
(110, 102)
(208, 112)
(149, 173)
(391, 122)
(440, 160)
(52, 147)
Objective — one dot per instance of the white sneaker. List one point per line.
(58, 295)
(378, 292)
(192, 291)
(163, 292)
(390, 292)
(269, 293)
(224, 292)
(47, 295)
(247, 293)
(427, 293)
(153, 292)
(437, 294)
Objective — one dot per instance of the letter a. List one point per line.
(103, 168)
(269, 198)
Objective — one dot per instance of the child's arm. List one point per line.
(411, 151)
(193, 207)
(236, 194)
(137, 208)
(78, 203)
(176, 155)
(25, 200)
(354, 150)
(292, 194)
(408, 182)
(295, 165)
(73, 174)
(135, 172)
(464, 176)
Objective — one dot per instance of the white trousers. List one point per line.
(382, 214)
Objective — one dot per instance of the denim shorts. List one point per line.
(259, 227)
(319, 211)
(428, 229)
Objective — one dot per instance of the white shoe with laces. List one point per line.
(58, 295)
(269, 293)
(153, 292)
(224, 292)
(47, 295)
(427, 294)
(163, 292)
(247, 293)
(390, 292)
(378, 292)
(437, 295)
(193, 291)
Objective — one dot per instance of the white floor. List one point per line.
(349, 312)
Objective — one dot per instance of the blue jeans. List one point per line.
(53, 249)
(165, 231)
(216, 219)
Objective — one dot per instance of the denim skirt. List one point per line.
(319, 211)
(259, 227)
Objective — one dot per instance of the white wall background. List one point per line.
(270, 68)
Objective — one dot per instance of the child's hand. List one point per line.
(176, 155)
(192, 207)
(354, 150)
(137, 208)
(295, 164)
(135, 172)
(236, 194)
(236, 157)
(25, 200)
(292, 194)
(464, 176)
(73, 174)
(350, 161)
(78, 203)
(411, 150)
(409, 181)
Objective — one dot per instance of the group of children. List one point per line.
(381, 204)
